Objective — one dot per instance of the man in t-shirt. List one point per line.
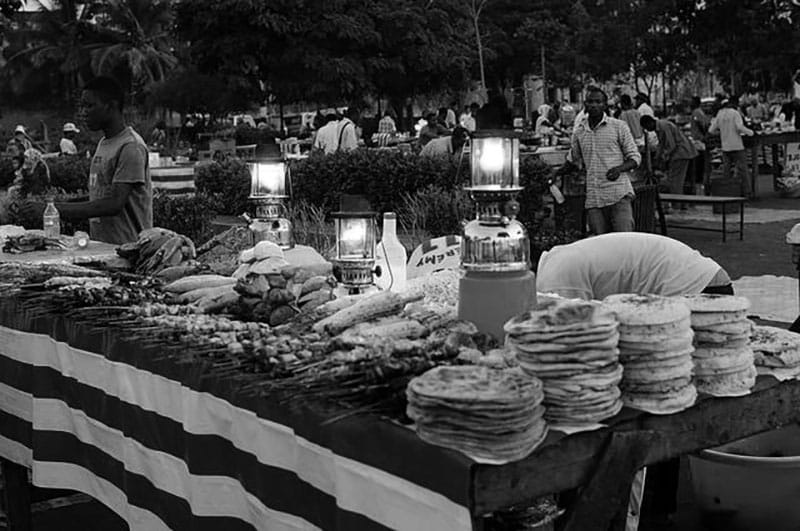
(446, 146)
(628, 262)
(120, 203)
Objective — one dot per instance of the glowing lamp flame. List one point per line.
(492, 156)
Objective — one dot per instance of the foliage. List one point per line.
(228, 182)
(10, 212)
(69, 173)
(190, 215)
(188, 91)
(545, 239)
(434, 211)
(311, 228)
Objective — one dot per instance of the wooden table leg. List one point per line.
(603, 503)
(17, 496)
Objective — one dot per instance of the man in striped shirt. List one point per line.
(605, 147)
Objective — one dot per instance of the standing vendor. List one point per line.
(120, 203)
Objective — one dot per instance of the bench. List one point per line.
(724, 201)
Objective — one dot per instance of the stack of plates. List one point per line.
(572, 347)
(777, 351)
(486, 413)
(655, 348)
(723, 360)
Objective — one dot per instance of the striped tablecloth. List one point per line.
(173, 179)
(167, 447)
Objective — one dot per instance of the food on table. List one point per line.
(440, 288)
(157, 249)
(655, 349)
(25, 273)
(31, 241)
(366, 309)
(777, 351)
(571, 346)
(221, 253)
(194, 282)
(74, 282)
(485, 413)
(723, 360)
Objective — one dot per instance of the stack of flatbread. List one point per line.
(572, 347)
(655, 349)
(723, 360)
(488, 414)
(777, 352)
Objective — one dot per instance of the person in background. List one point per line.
(674, 151)
(757, 111)
(432, 129)
(467, 120)
(328, 135)
(643, 105)
(67, 144)
(699, 130)
(35, 173)
(543, 124)
(605, 147)
(730, 126)
(495, 114)
(120, 203)
(348, 131)
(367, 127)
(21, 136)
(631, 116)
(387, 124)
(566, 114)
(450, 117)
(446, 146)
(158, 136)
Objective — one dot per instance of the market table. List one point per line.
(167, 443)
(94, 252)
(768, 139)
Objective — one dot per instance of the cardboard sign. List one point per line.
(435, 255)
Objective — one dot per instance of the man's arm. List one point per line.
(98, 208)
(667, 143)
(630, 154)
(741, 127)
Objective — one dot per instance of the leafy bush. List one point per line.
(12, 213)
(190, 215)
(435, 211)
(228, 182)
(544, 240)
(69, 173)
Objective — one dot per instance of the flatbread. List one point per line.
(665, 386)
(632, 309)
(785, 359)
(657, 373)
(700, 320)
(662, 404)
(771, 339)
(735, 362)
(711, 303)
(629, 358)
(591, 415)
(713, 351)
(702, 337)
(583, 399)
(731, 384)
(681, 342)
(609, 355)
(560, 315)
(609, 342)
(666, 329)
(606, 328)
(743, 327)
(473, 383)
(601, 378)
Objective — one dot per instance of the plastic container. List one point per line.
(51, 221)
(391, 256)
(750, 484)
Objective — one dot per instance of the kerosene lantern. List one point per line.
(495, 251)
(269, 180)
(354, 263)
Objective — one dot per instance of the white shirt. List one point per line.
(645, 110)
(468, 122)
(624, 262)
(328, 138)
(730, 126)
(438, 147)
(67, 147)
(347, 138)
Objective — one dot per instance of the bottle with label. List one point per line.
(391, 257)
(51, 220)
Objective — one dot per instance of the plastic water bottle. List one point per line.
(391, 256)
(51, 220)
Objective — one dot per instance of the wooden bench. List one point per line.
(724, 201)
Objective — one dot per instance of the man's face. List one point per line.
(595, 104)
(93, 111)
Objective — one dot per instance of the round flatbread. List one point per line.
(732, 384)
(712, 351)
(662, 330)
(608, 355)
(532, 348)
(700, 320)
(743, 327)
(598, 379)
(632, 309)
(702, 337)
(710, 303)
(663, 387)
(735, 362)
(602, 330)
(583, 399)
(656, 373)
(475, 384)
(629, 358)
(589, 415)
(560, 315)
(785, 359)
(772, 339)
(666, 404)
(651, 344)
